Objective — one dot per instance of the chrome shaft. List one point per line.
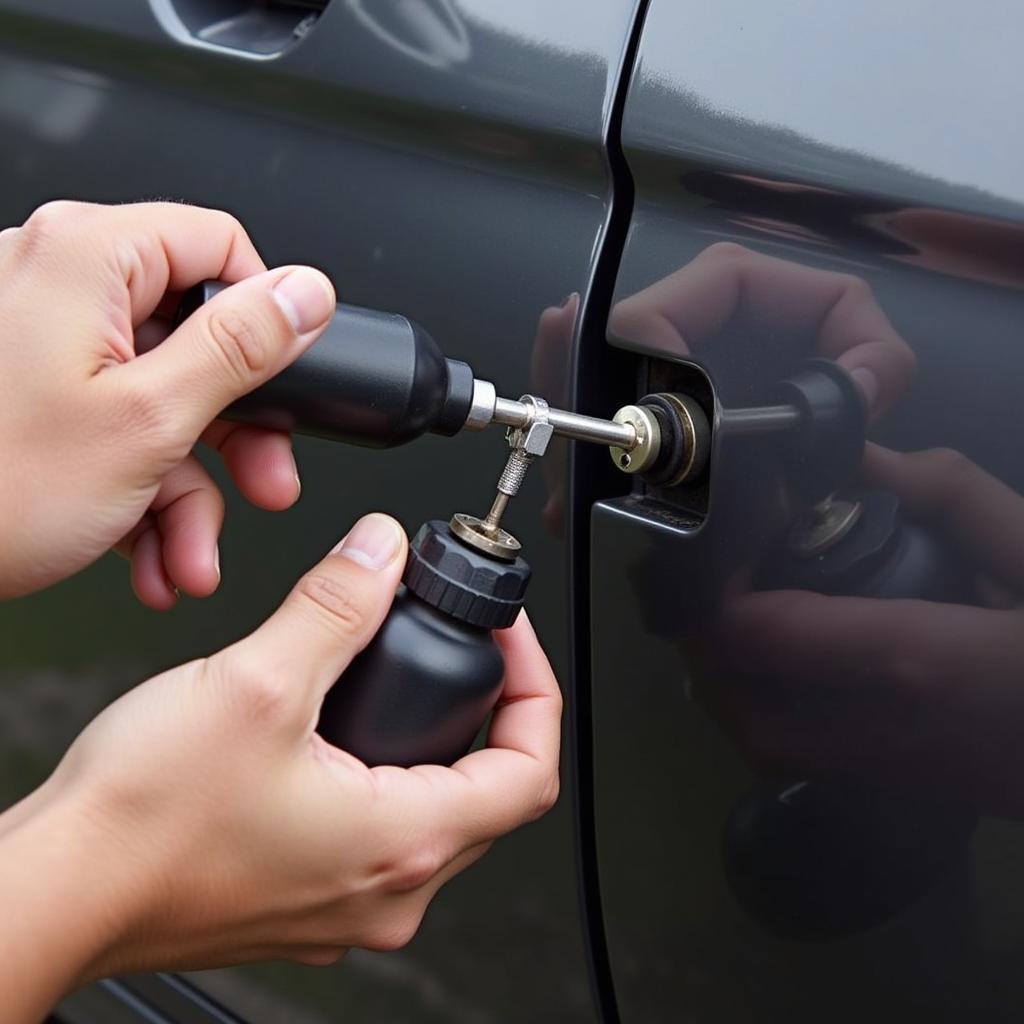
(568, 424)
(760, 420)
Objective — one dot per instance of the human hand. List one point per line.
(728, 287)
(201, 821)
(97, 437)
(920, 694)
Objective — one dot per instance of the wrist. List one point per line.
(67, 893)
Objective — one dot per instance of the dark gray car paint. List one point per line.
(882, 143)
(827, 138)
(469, 195)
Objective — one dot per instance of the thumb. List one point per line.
(238, 340)
(329, 617)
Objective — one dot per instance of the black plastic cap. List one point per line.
(457, 400)
(825, 453)
(462, 582)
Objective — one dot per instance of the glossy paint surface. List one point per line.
(821, 819)
(462, 183)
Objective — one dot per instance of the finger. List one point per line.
(552, 350)
(942, 486)
(172, 246)
(691, 306)
(922, 649)
(231, 344)
(515, 780)
(694, 304)
(880, 371)
(126, 544)
(149, 578)
(189, 512)
(528, 715)
(979, 248)
(260, 462)
(330, 616)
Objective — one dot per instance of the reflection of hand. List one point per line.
(900, 691)
(550, 374)
(97, 438)
(200, 820)
(728, 285)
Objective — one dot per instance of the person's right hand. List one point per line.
(200, 820)
(97, 433)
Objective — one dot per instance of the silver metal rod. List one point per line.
(569, 424)
(511, 413)
(759, 419)
(493, 520)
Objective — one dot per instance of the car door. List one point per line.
(807, 769)
(442, 159)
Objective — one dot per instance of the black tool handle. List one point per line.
(373, 379)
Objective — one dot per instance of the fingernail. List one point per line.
(373, 541)
(216, 561)
(306, 298)
(868, 384)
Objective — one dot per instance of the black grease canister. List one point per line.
(421, 690)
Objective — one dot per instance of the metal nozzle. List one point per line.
(488, 408)
(486, 534)
(532, 424)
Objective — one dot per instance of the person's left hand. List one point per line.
(97, 437)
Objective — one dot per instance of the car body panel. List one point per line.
(469, 193)
(791, 160)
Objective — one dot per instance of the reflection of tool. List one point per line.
(809, 859)
(819, 411)
(815, 860)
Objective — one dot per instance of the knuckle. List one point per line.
(550, 793)
(319, 957)
(906, 359)
(45, 227)
(856, 289)
(952, 471)
(394, 931)
(238, 342)
(547, 795)
(414, 870)
(726, 252)
(55, 213)
(144, 416)
(262, 695)
(628, 319)
(230, 223)
(334, 600)
(557, 701)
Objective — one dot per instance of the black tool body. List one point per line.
(421, 690)
(372, 379)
